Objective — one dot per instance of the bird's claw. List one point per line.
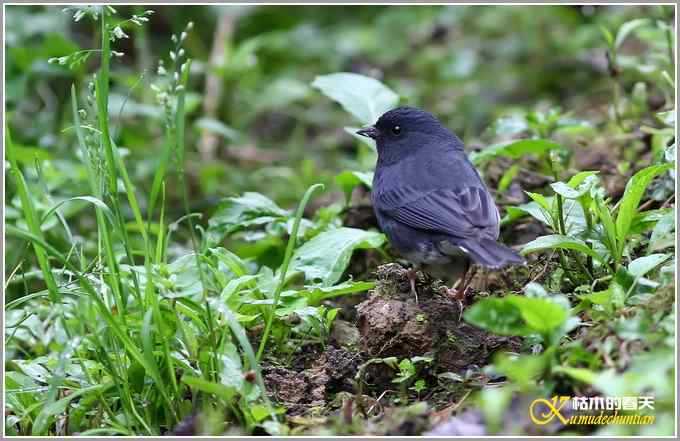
(458, 295)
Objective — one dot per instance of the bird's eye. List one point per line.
(396, 130)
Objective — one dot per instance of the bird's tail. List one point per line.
(489, 253)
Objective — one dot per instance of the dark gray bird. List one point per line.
(430, 201)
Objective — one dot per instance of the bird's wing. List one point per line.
(464, 213)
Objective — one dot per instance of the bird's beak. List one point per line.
(368, 132)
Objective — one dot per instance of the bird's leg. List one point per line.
(459, 290)
(412, 275)
(470, 272)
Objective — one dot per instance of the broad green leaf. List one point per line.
(184, 279)
(349, 179)
(514, 149)
(563, 189)
(324, 259)
(642, 265)
(541, 200)
(541, 315)
(517, 315)
(617, 295)
(364, 97)
(598, 297)
(498, 316)
(238, 212)
(260, 411)
(230, 260)
(578, 185)
(557, 241)
(235, 285)
(34, 370)
(15, 385)
(635, 189)
(524, 369)
(231, 374)
(533, 209)
(579, 177)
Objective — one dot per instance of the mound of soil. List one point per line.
(307, 385)
(392, 323)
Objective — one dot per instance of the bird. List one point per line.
(431, 202)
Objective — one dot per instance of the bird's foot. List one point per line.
(412, 275)
(457, 294)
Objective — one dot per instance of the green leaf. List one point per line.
(627, 28)
(605, 217)
(635, 189)
(498, 316)
(578, 185)
(523, 369)
(261, 411)
(238, 212)
(28, 155)
(580, 177)
(598, 297)
(533, 209)
(287, 260)
(231, 374)
(317, 294)
(364, 97)
(541, 315)
(349, 179)
(90, 199)
(514, 149)
(617, 295)
(507, 178)
(541, 200)
(662, 233)
(641, 266)
(225, 392)
(324, 259)
(606, 33)
(517, 315)
(557, 241)
(59, 406)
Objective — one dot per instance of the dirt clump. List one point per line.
(391, 323)
(302, 386)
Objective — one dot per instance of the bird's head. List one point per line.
(401, 131)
